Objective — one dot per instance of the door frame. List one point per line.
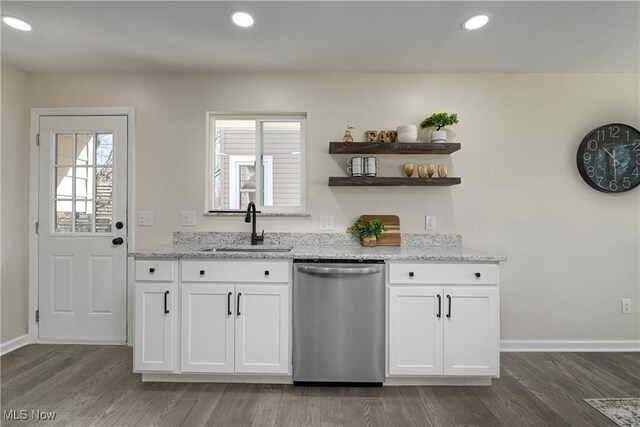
(34, 155)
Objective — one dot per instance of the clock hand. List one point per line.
(615, 174)
(613, 156)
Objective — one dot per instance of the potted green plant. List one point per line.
(367, 231)
(438, 121)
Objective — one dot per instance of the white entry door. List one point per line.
(82, 236)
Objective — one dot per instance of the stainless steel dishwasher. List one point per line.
(338, 322)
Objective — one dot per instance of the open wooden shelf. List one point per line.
(393, 147)
(372, 181)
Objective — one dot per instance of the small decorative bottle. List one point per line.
(347, 135)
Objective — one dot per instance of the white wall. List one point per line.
(14, 152)
(573, 252)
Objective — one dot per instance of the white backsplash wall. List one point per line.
(573, 252)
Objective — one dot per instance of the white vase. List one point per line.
(439, 136)
(407, 133)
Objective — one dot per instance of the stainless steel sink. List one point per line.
(247, 250)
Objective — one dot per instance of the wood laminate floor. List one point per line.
(94, 385)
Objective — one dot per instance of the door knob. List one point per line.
(118, 241)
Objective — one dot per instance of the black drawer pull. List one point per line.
(202, 272)
(411, 274)
(449, 313)
(266, 272)
(439, 315)
(238, 305)
(229, 303)
(478, 275)
(152, 270)
(166, 294)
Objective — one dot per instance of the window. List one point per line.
(276, 184)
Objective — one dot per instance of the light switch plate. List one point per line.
(326, 222)
(626, 306)
(145, 218)
(188, 219)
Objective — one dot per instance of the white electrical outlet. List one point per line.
(326, 222)
(429, 222)
(626, 306)
(188, 219)
(145, 218)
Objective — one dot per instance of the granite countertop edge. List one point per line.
(387, 253)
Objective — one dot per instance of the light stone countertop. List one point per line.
(337, 252)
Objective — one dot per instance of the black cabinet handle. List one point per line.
(238, 307)
(411, 274)
(439, 315)
(118, 241)
(152, 270)
(449, 313)
(166, 294)
(229, 303)
(478, 275)
(202, 272)
(266, 272)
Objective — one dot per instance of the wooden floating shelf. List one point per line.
(393, 147)
(371, 181)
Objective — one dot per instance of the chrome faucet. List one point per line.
(251, 217)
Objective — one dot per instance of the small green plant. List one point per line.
(371, 229)
(439, 120)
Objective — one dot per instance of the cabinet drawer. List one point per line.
(236, 271)
(155, 271)
(443, 274)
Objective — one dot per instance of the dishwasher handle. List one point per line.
(339, 270)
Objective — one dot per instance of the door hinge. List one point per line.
(37, 226)
(37, 315)
(38, 139)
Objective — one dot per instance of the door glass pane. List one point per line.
(104, 149)
(64, 149)
(84, 216)
(62, 220)
(64, 183)
(84, 149)
(104, 183)
(84, 183)
(234, 143)
(104, 214)
(282, 164)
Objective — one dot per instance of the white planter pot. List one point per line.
(439, 136)
(407, 133)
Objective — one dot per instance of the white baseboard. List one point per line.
(569, 345)
(14, 344)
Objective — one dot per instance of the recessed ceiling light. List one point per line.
(475, 22)
(16, 23)
(242, 19)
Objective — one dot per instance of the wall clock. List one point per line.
(609, 158)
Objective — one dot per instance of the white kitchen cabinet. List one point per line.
(262, 330)
(415, 331)
(443, 320)
(471, 332)
(154, 338)
(207, 328)
(238, 326)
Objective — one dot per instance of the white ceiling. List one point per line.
(381, 36)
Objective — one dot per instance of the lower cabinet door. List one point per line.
(207, 328)
(262, 329)
(471, 331)
(154, 313)
(415, 330)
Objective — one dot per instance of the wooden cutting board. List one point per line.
(391, 235)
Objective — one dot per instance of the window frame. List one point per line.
(260, 119)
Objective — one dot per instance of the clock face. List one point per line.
(609, 158)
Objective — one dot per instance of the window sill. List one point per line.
(264, 214)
